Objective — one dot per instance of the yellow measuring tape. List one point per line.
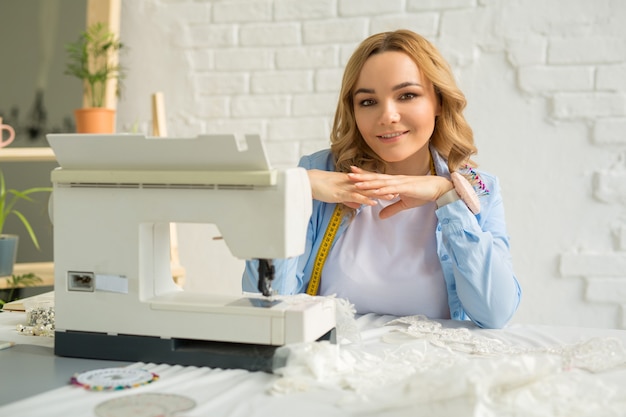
(322, 253)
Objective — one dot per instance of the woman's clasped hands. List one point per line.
(364, 187)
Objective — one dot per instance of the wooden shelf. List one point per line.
(26, 155)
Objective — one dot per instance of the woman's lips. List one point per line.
(388, 137)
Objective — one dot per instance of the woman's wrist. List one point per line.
(448, 197)
(313, 174)
(444, 189)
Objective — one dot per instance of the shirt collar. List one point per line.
(441, 164)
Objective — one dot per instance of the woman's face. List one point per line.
(395, 108)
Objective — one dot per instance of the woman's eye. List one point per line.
(408, 96)
(366, 103)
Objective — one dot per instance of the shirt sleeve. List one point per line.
(478, 247)
(285, 281)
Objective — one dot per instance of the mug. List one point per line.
(9, 129)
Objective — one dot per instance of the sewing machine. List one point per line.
(114, 197)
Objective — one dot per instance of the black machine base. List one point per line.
(185, 352)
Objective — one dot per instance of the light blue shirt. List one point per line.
(473, 251)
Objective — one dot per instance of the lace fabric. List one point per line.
(419, 367)
(594, 355)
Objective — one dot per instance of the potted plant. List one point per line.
(8, 243)
(93, 60)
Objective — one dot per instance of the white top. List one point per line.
(389, 266)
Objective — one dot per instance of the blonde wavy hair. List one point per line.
(452, 136)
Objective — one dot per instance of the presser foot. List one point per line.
(266, 276)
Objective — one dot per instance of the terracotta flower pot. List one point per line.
(95, 120)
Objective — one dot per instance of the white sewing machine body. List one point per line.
(114, 198)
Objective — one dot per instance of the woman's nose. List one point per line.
(389, 114)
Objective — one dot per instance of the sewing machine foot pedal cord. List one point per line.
(185, 352)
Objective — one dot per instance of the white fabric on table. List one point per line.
(390, 370)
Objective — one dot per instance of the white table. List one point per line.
(530, 371)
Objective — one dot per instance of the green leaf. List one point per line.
(89, 59)
(9, 198)
(25, 280)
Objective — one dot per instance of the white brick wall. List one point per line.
(546, 87)
(587, 50)
(611, 77)
(588, 105)
(297, 10)
(268, 34)
(547, 79)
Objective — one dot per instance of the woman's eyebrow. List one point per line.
(394, 88)
(364, 91)
(406, 84)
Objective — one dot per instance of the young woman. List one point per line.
(402, 222)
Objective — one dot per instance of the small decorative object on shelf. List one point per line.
(10, 137)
